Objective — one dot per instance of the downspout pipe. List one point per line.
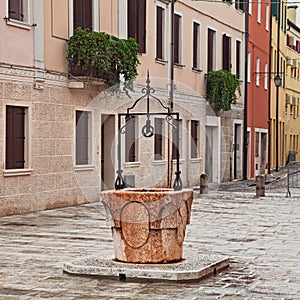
(245, 142)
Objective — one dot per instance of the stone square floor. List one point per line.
(261, 236)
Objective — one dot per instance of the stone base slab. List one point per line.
(196, 268)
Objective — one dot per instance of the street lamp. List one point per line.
(277, 81)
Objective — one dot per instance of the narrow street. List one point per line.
(260, 235)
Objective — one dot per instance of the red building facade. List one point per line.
(258, 87)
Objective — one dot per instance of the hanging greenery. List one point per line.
(98, 54)
(222, 89)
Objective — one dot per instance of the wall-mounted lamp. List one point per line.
(277, 81)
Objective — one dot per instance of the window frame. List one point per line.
(226, 52)
(211, 49)
(136, 26)
(131, 146)
(257, 78)
(24, 10)
(194, 139)
(196, 46)
(238, 60)
(177, 58)
(89, 136)
(26, 145)
(163, 32)
(159, 139)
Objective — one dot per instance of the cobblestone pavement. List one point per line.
(260, 235)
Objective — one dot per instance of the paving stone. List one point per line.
(260, 235)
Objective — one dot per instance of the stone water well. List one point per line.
(148, 225)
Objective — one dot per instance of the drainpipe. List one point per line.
(277, 86)
(245, 146)
(269, 95)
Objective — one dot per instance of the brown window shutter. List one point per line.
(159, 33)
(195, 45)
(158, 139)
(82, 137)
(229, 53)
(224, 52)
(176, 38)
(88, 14)
(210, 49)
(175, 140)
(238, 57)
(141, 28)
(130, 155)
(194, 138)
(132, 17)
(15, 10)
(15, 137)
(82, 14)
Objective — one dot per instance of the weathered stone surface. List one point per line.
(148, 226)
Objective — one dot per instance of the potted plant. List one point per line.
(98, 54)
(222, 89)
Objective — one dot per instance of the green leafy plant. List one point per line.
(222, 89)
(98, 54)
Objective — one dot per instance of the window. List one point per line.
(258, 11)
(238, 59)
(196, 46)
(176, 144)
(266, 76)
(267, 16)
(240, 4)
(257, 70)
(160, 32)
(194, 138)
(137, 22)
(159, 139)
(177, 39)
(82, 10)
(226, 55)
(249, 67)
(130, 140)
(18, 10)
(83, 137)
(211, 49)
(15, 137)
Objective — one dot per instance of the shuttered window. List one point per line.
(210, 50)
(82, 14)
(136, 16)
(130, 140)
(226, 53)
(194, 138)
(176, 143)
(196, 45)
(18, 10)
(159, 32)
(158, 139)
(238, 59)
(82, 137)
(177, 24)
(15, 137)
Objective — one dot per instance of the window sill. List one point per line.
(84, 168)
(159, 162)
(197, 70)
(161, 61)
(174, 161)
(195, 160)
(180, 66)
(17, 172)
(19, 24)
(134, 164)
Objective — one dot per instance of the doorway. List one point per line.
(107, 152)
(237, 153)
